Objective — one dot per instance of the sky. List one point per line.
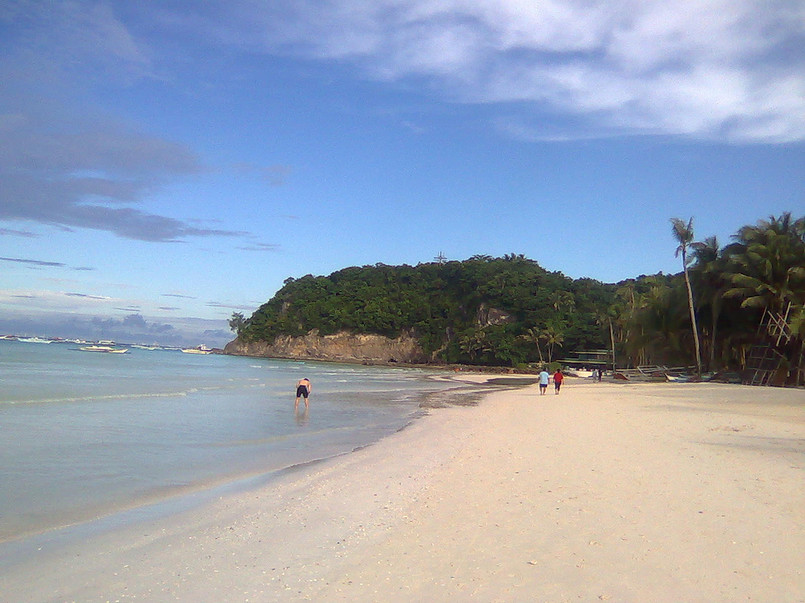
(165, 164)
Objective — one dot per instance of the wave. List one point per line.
(98, 398)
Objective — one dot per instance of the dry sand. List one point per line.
(614, 492)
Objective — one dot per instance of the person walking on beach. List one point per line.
(303, 389)
(557, 380)
(544, 377)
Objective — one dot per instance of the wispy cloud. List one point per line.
(86, 296)
(275, 175)
(133, 328)
(64, 161)
(228, 306)
(724, 70)
(261, 247)
(33, 262)
(46, 301)
(85, 178)
(729, 70)
(18, 233)
(45, 264)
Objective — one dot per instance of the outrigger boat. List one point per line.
(202, 349)
(103, 348)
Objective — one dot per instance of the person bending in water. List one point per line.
(303, 388)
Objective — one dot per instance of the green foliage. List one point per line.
(764, 268)
(447, 306)
(511, 312)
(237, 322)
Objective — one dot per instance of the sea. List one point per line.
(86, 437)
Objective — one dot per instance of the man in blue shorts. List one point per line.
(544, 377)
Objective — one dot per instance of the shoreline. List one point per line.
(167, 501)
(624, 492)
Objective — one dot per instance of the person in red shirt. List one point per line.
(557, 380)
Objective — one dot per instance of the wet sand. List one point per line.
(613, 492)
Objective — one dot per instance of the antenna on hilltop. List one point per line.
(440, 258)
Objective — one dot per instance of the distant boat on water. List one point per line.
(103, 348)
(34, 340)
(202, 349)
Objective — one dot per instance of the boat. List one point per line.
(202, 349)
(104, 349)
(583, 373)
(34, 340)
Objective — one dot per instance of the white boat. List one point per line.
(34, 340)
(202, 349)
(103, 348)
(583, 373)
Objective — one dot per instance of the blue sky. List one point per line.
(164, 164)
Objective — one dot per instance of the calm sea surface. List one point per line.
(84, 435)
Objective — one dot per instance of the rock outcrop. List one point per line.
(341, 347)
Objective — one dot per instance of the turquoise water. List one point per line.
(84, 435)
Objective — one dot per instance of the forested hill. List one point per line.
(500, 311)
(509, 311)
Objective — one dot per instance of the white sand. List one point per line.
(619, 492)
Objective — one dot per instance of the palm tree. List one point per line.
(534, 336)
(767, 270)
(657, 324)
(624, 310)
(684, 235)
(475, 343)
(604, 319)
(708, 271)
(768, 264)
(553, 336)
(563, 300)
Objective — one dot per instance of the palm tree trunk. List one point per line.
(693, 319)
(612, 340)
(714, 339)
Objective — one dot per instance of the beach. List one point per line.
(608, 491)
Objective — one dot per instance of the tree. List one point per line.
(553, 334)
(768, 264)
(708, 272)
(603, 318)
(475, 343)
(237, 322)
(533, 335)
(562, 300)
(684, 235)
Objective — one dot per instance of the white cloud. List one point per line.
(716, 69)
(64, 161)
(36, 301)
(68, 315)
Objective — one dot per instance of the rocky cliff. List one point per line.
(342, 347)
